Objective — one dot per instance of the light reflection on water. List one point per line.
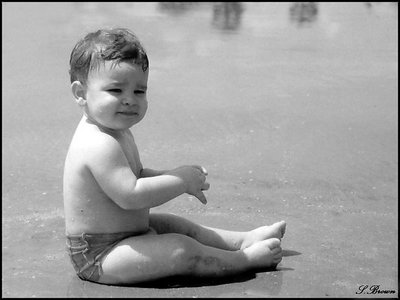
(307, 89)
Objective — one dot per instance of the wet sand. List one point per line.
(295, 118)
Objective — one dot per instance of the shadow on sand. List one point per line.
(289, 253)
(192, 281)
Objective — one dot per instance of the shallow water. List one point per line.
(293, 113)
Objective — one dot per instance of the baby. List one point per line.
(112, 238)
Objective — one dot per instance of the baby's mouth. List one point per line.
(128, 113)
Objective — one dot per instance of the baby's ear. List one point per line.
(79, 92)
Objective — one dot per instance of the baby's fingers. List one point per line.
(205, 186)
(202, 169)
(201, 197)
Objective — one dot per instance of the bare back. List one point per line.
(87, 208)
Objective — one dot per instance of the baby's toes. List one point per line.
(273, 244)
(280, 228)
(283, 227)
(276, 260)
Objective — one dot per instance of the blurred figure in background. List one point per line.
(303, 12)
(226, 15)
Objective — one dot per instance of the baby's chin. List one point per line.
(121, 122)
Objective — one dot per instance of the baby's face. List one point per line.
(116, 95)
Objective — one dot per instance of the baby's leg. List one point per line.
(142, 258)
(214, 237)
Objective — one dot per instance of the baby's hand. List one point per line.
(194, 178)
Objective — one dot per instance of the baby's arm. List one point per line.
(111, 169)
(146, 172)
(180, 173)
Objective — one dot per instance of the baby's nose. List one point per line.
(129, 100)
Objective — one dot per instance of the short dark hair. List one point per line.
(105, 44)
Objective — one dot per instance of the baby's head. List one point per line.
(117, 44)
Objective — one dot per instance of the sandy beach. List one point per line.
(292, 110)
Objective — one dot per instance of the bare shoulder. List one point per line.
(90, 145)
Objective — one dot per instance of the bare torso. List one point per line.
(87, 208)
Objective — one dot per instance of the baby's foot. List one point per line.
(267, 253)
(276, 230)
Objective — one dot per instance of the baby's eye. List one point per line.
(139, 92)
(114, 90)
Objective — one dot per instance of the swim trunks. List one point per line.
(87, 250)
